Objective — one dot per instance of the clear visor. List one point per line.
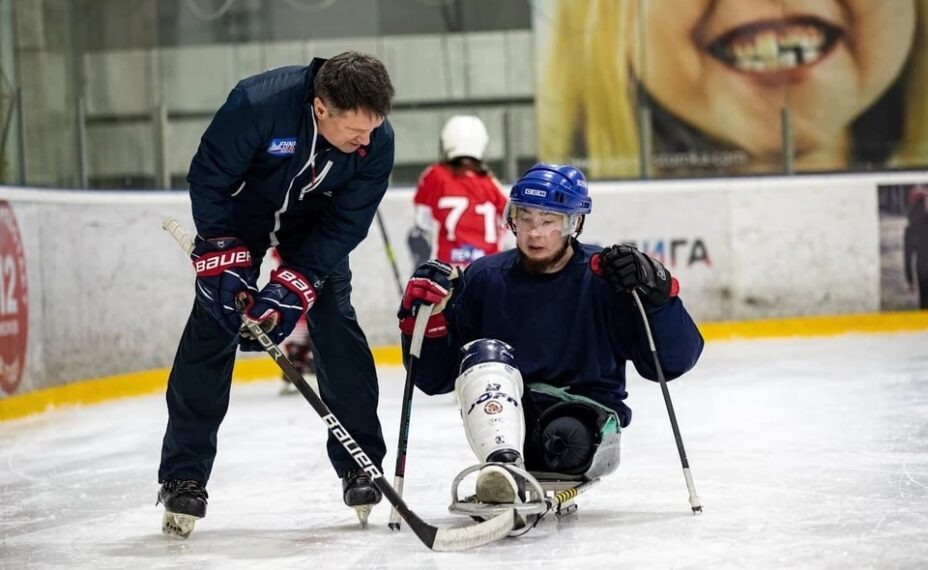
(529, 220)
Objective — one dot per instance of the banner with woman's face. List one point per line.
(630, 88)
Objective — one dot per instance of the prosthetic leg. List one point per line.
(489, 393)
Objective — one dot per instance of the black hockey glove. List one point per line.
(430, 284)
(224, 274)
(277, 308)
(626, 269)
(419, 246)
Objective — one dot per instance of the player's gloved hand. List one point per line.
(224, 274)
(430, 284)
(419, 246)
(626, 269)
(277, 308)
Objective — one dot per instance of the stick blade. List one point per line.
(463, 538)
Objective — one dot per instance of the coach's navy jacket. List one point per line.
(568, 329)
(263, 174)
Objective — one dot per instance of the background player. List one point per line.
(458, 203)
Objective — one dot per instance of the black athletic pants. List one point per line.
(198, 387)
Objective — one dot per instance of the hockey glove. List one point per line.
(277, 308)
(626, 269)
(419, 246)
(431, 284)
(224, 274)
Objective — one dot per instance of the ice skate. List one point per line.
(360, 492)
(288, 388)
(184, 502)
(300, 355)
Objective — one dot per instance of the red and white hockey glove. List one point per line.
(430, 284)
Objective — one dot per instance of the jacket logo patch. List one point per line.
(282, 147)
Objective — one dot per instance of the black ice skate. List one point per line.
(498, 484)
(184, 502)
(360, 492)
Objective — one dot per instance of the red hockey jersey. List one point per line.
(465, 209)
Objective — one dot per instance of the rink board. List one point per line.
(109, 292)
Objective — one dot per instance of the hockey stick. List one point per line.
(439, 539)
(390, 256)
(690, 486)
(415, 349)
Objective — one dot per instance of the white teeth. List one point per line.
(766, 45)
(788, 59)
(771, 50)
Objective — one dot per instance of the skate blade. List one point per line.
(363, 512)
(495, 485)
(177, 525)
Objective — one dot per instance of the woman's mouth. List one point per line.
(774, 46)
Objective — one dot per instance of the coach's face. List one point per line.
(346, 130)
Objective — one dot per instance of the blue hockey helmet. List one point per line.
(486, 350)
(552, 187)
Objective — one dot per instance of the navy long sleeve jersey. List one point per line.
(567, 329)
(264, 174)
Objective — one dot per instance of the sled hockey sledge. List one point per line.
(544, 493)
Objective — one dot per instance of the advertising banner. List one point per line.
(664, 88)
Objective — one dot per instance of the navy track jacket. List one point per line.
(568, 329)
(265, 175)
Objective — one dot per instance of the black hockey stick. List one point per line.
(440, 539)
(690, 486)
(390, 256)
(415, 349)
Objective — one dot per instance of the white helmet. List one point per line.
(464, 135)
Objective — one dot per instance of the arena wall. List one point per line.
(109, 291)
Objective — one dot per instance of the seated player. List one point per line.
(534, 340)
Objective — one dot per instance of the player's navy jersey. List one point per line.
(567, 329)
(264, 174)
(467, 209)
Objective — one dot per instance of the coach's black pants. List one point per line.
(198, 387)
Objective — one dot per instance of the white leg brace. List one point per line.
(490, 397)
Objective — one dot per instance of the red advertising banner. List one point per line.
(14, 304)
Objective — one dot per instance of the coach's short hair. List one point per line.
(353, 81)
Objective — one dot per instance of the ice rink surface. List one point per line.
(806, 454)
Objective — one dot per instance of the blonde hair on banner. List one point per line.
(586, 91)
(583, 83)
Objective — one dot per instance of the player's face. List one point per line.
(345, 130)
(729, 67)
(542, 238)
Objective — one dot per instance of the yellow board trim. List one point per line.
(146, 382)
(888, 322)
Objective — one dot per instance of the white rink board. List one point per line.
(110, 292)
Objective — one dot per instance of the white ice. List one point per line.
(805, 453)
